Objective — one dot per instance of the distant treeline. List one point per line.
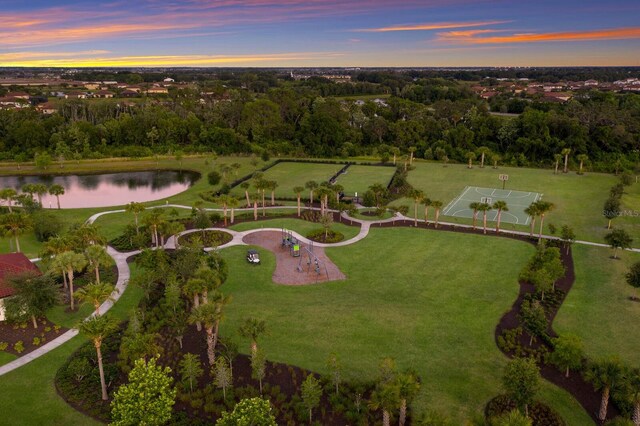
(436, 118)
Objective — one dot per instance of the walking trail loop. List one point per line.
(243, 238)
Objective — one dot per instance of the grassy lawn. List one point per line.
(29, 396)
(360, 178)
(6, 357)
(598, 309)
(302, 227)
(290, 175)
(578, 199)
(414, 304)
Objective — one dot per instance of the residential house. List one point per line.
(47, 108)
(12, 264)
(18, 95)
(591, 83)
(75, 95)
(157, 90)
(105, 94)
(91, 86)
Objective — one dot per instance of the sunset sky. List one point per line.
(292, 33)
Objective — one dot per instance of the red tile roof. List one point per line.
(13, 264)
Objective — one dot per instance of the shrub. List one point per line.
(46, 225)
(214, 178)
(19, 346)
(540, 414)
(319, 235)
(36, 341)
(3, 346)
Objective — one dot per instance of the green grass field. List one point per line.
(6, 357)
(410, 301)
(290, 175)
(598, 309)
(578, 199)
(360, 178)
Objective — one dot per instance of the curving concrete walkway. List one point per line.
(120, 259)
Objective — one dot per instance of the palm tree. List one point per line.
(40, 190)
(252, 328)
(557, 158)
(426, 202)
(566, 153)
(8, 195)
(501, 206)
(532, 212)
(298, 190)
(70, 262)
(245, 186)
(437, 205)
(97, 328)
(224, 200)
(233, 203)
(136, 209)
(210, 316)
(192, 289)
(262, 185)
(385, 398)
(311, 186)
(29, 188)
(87, 235)
(417, 196)
(474, 206)
(53, 247)
(57, 191)
(96, 294)
(543, 208)
(582, 158)
(378, 190)
(16, 224)
(408, 387)
(604, 375)
(484, 208)
(337, 188)
(96, 256)
(153, 219)
(470, 156)
(272, 187)
(483, 150)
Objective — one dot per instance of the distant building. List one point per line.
(47, 108)
(157, 90)
(75, 95)
(91, 86)
(105, 94)
(168, 80)
(18, 95)
(10, 265)
(591, 83)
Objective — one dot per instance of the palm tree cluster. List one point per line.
(394, 392)
(539, 209)
(81, 248)
(10, 196)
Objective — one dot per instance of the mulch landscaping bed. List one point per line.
(210, 238)
(25, 333)
(575, 384)
(286, 271)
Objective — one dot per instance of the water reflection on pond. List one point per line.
(109, 189)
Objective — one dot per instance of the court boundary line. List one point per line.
(453, 202)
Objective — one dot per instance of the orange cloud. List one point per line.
(431, 26)
(606, 34)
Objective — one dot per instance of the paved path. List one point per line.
(120, 260)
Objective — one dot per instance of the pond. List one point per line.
(108, 189)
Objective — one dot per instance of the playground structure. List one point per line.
(290, 242)
(312, 260)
